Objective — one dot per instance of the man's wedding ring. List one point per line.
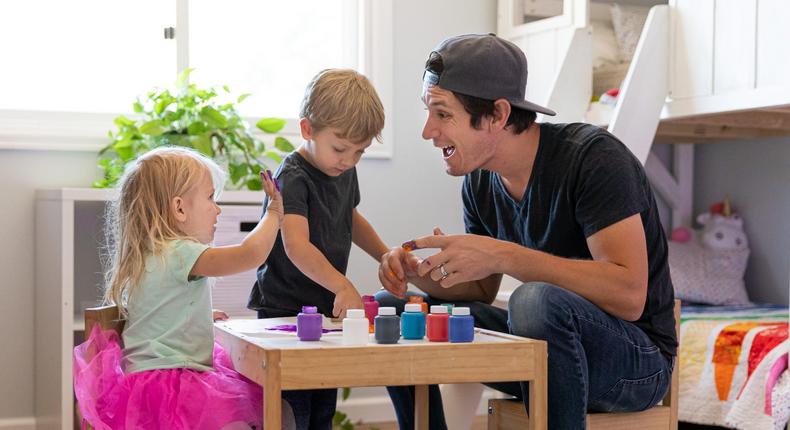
(444, 272)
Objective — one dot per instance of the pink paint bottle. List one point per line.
(437, 324)
(371, 310)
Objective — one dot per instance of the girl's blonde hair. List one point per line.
(140, 221)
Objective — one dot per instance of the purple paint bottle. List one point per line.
(308, 324)
(462, 325)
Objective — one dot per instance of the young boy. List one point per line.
(340, 115)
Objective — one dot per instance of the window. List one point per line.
(69, 72)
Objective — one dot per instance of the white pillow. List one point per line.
(628, 22)
(606, 51)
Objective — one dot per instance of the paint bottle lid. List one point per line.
(309, 310)
(386, 310)
(415, 299)
(438, 309)
(367, 298)
(460, 311)
(413, 307)
(355, 313)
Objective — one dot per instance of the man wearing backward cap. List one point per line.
(564, 208)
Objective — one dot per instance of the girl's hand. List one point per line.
(272, 189)
(346, 298)
(219, 315)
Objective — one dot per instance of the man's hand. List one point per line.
(219, 315)
(346, 298)
(397, 266)
(463, 257)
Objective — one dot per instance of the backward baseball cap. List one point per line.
(484, 66)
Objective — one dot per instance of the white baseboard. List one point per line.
(378, 408)
(19, 423)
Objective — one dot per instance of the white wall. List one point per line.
(22, 172)
(402, 197)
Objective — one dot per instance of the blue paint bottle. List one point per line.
(386, 325)
(308, 324)
(462, 325)
(412, 322)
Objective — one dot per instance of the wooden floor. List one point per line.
(479, 424)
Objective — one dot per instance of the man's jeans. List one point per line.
(596, 362)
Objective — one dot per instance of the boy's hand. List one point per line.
(219, 315)
(346, 298)
(272, 189)
(397, 266)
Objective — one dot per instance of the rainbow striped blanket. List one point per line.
(733, 362)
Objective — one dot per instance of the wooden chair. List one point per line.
(507, 414)
(108, 318)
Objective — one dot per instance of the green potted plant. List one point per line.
(202, 119)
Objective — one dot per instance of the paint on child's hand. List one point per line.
(268, 173)
(409, 246)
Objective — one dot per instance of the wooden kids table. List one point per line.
(280, 361)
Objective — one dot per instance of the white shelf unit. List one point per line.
(68, 277)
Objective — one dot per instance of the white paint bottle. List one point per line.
(356, 328)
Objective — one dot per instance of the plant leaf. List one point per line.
(274, 156)
(270, 125)
(203, 144)
(152, 128)
(254, 183)
(283, 144)
(213, 117)
(345, 393)
(196, 127)
(183, 78)
(243, 97)
(138, 107)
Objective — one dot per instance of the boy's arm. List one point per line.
(307, 258)
(364, 236)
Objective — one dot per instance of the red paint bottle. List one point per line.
(437, 324)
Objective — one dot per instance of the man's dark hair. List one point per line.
(477, 108)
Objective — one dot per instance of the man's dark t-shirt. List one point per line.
(328, 204)
(583, 180)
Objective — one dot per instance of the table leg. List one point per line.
(538, 397)
(421, 407)
(272, 393)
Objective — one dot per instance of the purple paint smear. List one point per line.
(292, 328)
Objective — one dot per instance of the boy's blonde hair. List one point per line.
(140, 222)
(346, 101)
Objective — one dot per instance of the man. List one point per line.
(564, 208)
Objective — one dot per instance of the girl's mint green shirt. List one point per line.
(170, 323)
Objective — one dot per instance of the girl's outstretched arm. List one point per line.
(254, 249)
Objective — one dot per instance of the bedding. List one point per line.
(733, 366)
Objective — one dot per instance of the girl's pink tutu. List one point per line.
(160, 399)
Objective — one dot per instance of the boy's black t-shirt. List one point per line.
(583, 180)
(328, 204)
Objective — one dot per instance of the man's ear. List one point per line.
(306, 128)
(177, 207)
(500, 115)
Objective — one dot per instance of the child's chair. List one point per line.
(108, 318)
(507, 414)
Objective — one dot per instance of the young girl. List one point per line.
(170, 374)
